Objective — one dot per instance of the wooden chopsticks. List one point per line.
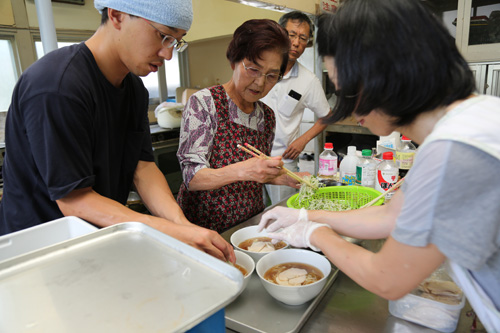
(257, 153)
(383, 194)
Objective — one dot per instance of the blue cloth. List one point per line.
(172, 13)
(216, 323)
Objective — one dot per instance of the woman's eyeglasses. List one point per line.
(256, 73)
(170, 41)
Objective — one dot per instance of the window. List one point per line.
(9, 73)
(39, 47)
(172, 72)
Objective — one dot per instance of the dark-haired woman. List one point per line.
(397, 69)
(223, 184)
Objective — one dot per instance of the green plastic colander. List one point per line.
(356, 196)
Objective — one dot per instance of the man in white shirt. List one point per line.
(299, 89)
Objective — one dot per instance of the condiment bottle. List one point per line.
(387, 174)
(348, 167)
(405, 155)
(327, 163)
(365, 169)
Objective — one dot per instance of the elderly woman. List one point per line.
(409, 77)
(223, 184)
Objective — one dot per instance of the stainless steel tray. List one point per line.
(124, 278)
(257, 311)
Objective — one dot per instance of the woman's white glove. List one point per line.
(283, 217)
(294, 231)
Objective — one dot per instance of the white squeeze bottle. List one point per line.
(365, 169)
(327, 163)
(348, 167)
(387, 174)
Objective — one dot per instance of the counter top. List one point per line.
(347, 307)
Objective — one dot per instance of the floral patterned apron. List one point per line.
(234, 203)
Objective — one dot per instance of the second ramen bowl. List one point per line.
(294, 295)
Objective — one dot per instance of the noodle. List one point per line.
(308, 199)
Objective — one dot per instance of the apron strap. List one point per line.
(481, 303)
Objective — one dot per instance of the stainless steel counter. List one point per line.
(347, 307)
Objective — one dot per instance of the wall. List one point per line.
(216, 18)
(68, 16)
(6, 15)
(307, 6)
(208, 64)
(212, 18)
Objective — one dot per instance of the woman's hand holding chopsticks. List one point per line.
(290, 179)
(260, 170)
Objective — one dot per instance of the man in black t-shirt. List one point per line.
(77, 131)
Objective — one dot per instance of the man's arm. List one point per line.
(155, 193)
(297, 146)
(89, 205)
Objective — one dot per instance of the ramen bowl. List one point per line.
(245, 261)
(247, 233)
(299, 294)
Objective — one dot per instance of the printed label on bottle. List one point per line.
(405, 160)
(365, 176)
(349, 178)
(386, 180)
(359, 174)
(327, 167)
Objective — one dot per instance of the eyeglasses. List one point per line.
(302, 39)
(255, 73)
(170, 41)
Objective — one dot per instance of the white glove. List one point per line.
(283, 216)
(298, 234)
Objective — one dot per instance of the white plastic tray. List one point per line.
(42, 235)
(427, 312)
(124, 278)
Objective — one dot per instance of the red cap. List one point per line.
(388, 155)
(328, 145)
(405, 138)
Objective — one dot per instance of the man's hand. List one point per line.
(101, 211)
(203, 239)
(295, 148)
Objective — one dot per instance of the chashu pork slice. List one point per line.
(291, 277)
(260, 246)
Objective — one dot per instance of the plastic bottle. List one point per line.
(405, 154)
(365, 169)
(348, 167)
(327, 163)
(387, 174)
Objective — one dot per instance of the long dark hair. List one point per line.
(392, 55)
(254, 37)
